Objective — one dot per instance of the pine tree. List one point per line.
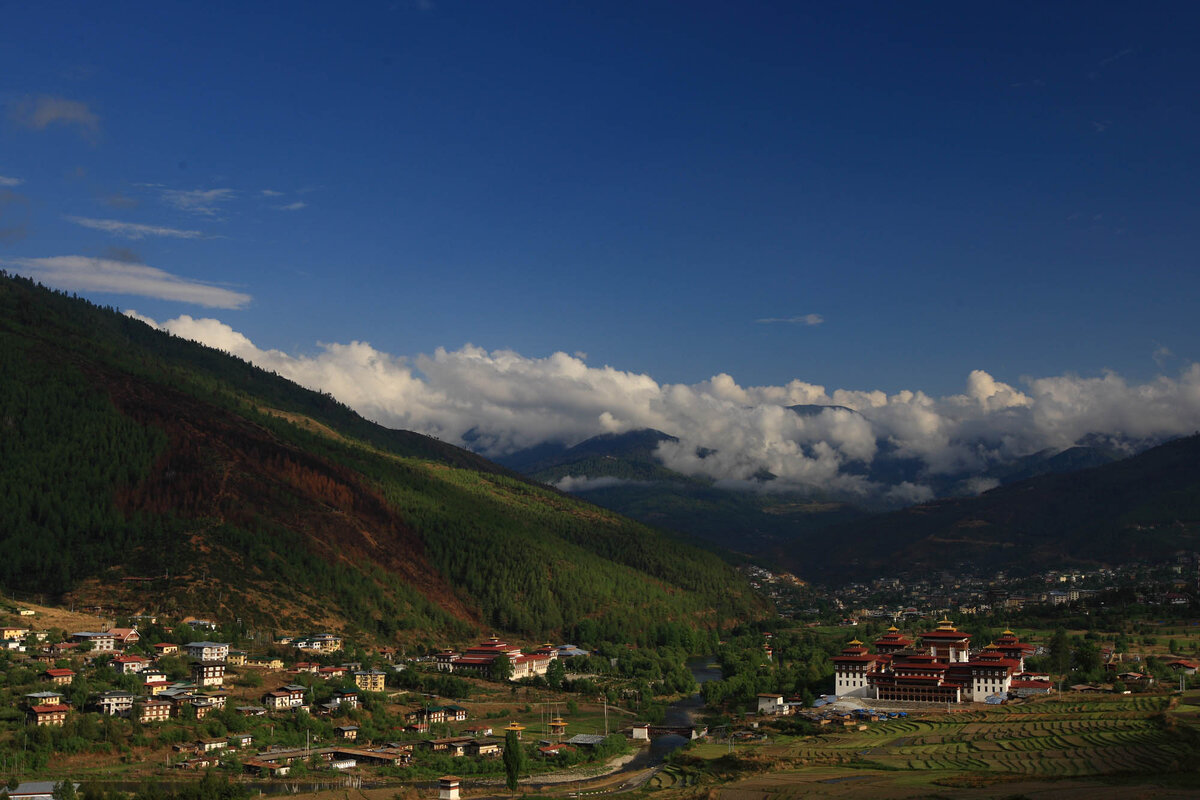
(514, 758)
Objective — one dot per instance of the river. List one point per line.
(680, 713)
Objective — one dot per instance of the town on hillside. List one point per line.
(153, 696)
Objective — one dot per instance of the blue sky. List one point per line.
(863, 196)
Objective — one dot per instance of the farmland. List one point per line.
(1100, 743)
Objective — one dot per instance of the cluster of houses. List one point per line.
(160, 699)
(324, 643)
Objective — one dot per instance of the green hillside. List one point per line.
(129, 453)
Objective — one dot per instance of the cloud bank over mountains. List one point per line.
(501, 401)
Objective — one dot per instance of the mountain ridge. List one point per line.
(288, 506)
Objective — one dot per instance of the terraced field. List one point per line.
(1060, 739)
(1100, 738)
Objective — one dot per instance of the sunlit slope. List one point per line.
(131, 453)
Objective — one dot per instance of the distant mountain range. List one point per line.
(621, 472)
(143, 470)
(1145, 507)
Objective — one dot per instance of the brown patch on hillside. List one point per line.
(220, 467)
(45, 617)
(305, 422)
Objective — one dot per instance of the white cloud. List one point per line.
(38, 113)
(205, 202)
(508, 401)
(582, 483)
(4, 181)
(979, 485)
(296, 206)
(133, 230)
(805, 319)
(271, 193)
(82, 273)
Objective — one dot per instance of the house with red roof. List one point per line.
(48, 715)
(60, 676)
(125, 637)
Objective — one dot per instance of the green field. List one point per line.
(1102, 738)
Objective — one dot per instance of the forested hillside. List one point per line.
(128, 453)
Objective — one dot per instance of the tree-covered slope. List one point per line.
(129, 453)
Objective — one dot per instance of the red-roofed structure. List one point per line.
(942, 669)
(48, 715)
(60, 676)
(481, 657)
(1012, 647)
(892, 641)
(850, 670)
(947, 642)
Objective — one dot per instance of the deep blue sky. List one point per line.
(949, 187)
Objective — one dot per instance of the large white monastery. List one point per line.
(940, 669)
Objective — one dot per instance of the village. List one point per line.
(184, 700)
(299, 709)
(1171, 584)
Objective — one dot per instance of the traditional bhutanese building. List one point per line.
(850, 670)
(916, 677)
(941, 669)
(987, 674)
(946, 642)
(1013, 648)
(481, 657)
(892, 641)
(558, 727)
(48, 715)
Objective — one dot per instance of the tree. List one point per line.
(555, 674)
(514, 758)
(1087, 659)
(64, 790)
(502, 668)
(1060, 652)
